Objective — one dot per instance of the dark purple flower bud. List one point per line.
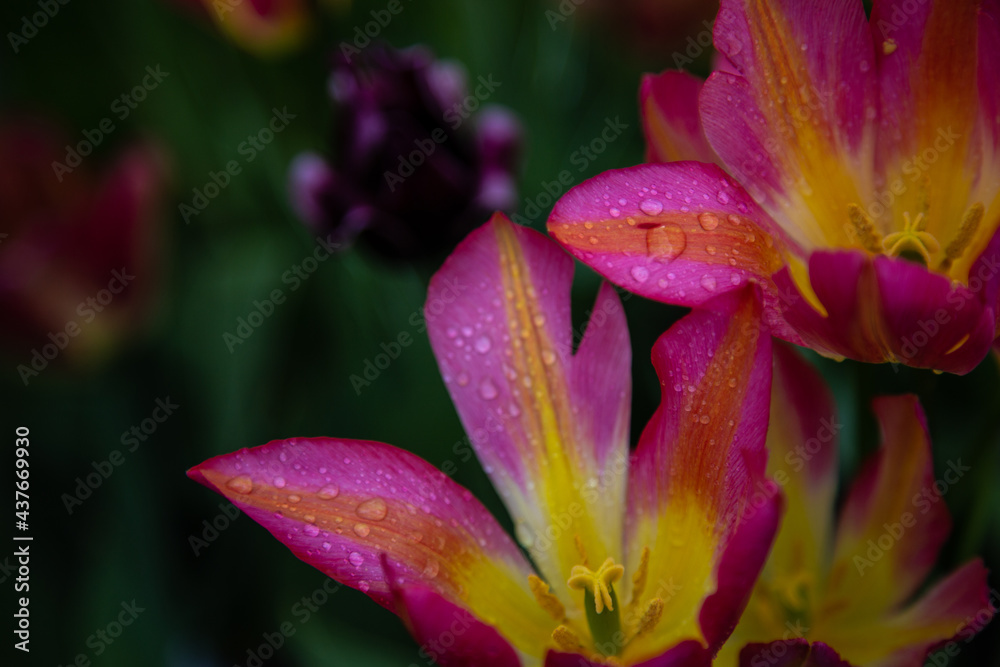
(415, 163)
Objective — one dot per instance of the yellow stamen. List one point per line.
(581, 550)
(546, 600)
(650, 617)
(970, 224)
(567, 640)
(639, 578)
(870, 238)
(599, 583)
(913, 237)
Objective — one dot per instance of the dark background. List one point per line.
(132, 538)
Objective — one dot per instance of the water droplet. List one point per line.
(462, 379)
(362, 529)
(356, 559)
(735, 279)
(487, 390)
(723, 197)
(708, 282)
(483, 344)
(539, 320)
(614, 213)
(651, 206)
(593, 240)
(328, 492)
(309, 518)
(311, 530)
(732, 383)
(279, 482)
(710, 249)
(363, 586)
(452, 332)
(665, 243)
(709, 221)
(640, 274)
(327, 546)
(241, 484)
(294, 498)
(704, 419)
(431, 569)
(373, 509)
(548, 357)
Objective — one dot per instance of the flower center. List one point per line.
(611, 627)
(914, 242)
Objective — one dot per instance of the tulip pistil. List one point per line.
(600, 602)
(913, 238)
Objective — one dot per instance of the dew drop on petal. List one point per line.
(665, 243)
(651, 206)
(462, 379)
(294, 498)
(373, 509)
(356, 559)
(431, 569)
(548, 357)
(328, 492)
(279, 482)
(487, 389)
(722, 197)
(614, 213)
(640, 274)
(241, 484)
(362, 529)
(708, 282)
(709, 221)
(483, 344)
(311, 530)
(363, 586)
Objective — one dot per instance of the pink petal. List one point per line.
(685, 654)
(889, 309)
(893, 500)
(344, 505)
(670, 118)
(682, 233)
(449, 634)
(791, 653)
(796, 125)
(545, 422)
(698, 463)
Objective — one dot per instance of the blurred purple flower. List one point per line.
(416, 164)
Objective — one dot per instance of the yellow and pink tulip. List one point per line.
(645, 558)
(848, 166)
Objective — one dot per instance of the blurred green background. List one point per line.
(206, 603)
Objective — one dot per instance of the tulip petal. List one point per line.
(889, 309)
(685, 654)
(797, 121)
(670, 118)
(802, 463)
(697, 464)
(550, 426)
(448, 633)
(929, 61)
(682, 233)
(343, 505)
(789, 653)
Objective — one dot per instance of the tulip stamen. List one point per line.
(546, 600)
(567, 640)
(639, 578)
(970, 225)
(864, 226)
(650, 617)
(912, 238)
